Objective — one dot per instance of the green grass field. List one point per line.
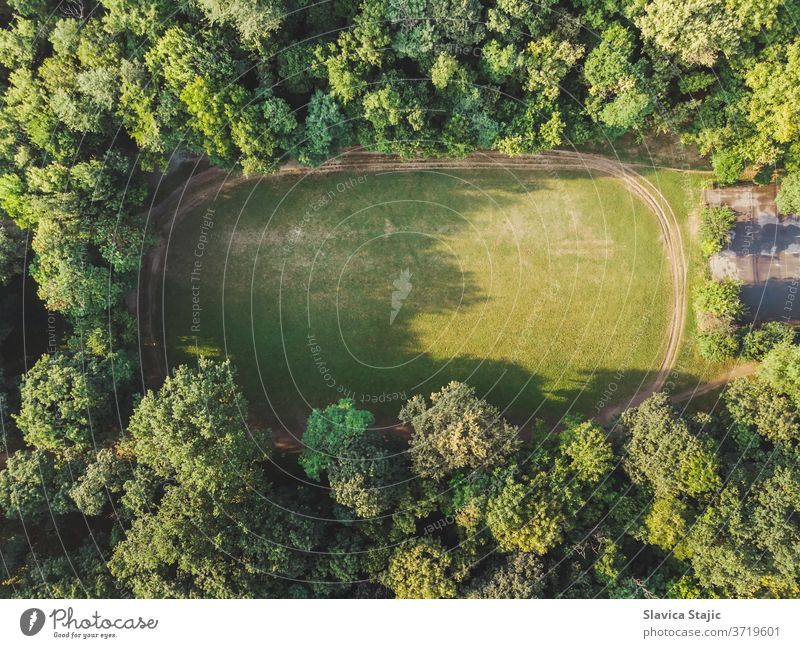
(548, 293)
(683, 190)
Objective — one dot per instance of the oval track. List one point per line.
(637, 184)
(180, 202)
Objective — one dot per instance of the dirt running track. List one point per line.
(199, 187)
(739, 371)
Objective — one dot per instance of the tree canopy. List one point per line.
(175, 492)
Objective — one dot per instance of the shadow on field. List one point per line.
(602, 396)
(378, 288)
(507, 386)
(372, 296)
(605, 393)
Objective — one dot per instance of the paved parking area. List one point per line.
(764, 254)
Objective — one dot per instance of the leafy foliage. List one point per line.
(516, 576)
(717, 307)
(34, 483)
(457, 430)
(64, 402)
(175, 489)
(329, 432)
(720, 298)
(788, 198)
(758, 342)
(419, 569)
(716, 224)
(664, 454)
(781, 370)
(194, 430)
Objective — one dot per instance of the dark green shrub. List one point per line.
(788, 198)
(718, 344)
(728, 166)
(720, 298)
(716, 224)
(764, 175)
(759, 342)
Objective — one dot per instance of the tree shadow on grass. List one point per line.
(603, 394)
(356, 326)
(336, 304)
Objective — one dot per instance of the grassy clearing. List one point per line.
(544, 291)
(684, 193)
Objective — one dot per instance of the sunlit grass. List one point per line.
(548, 292)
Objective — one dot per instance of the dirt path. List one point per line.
(739, 371)
(200, 187)
(177, 204)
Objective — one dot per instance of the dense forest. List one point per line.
(108, 491)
